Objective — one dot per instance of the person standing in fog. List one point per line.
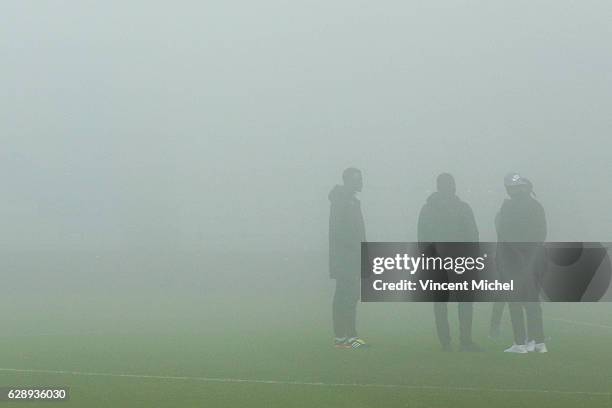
(346, 233)
(522, 219)
(446, 218)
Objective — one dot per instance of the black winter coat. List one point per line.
(346, 232)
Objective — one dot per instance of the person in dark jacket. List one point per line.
(522, 219)
(446, 218)
(346, 233)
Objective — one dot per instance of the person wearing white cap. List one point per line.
(522, 219)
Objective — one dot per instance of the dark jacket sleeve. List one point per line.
(335, 237)
(340, 228)
(344, 242)
(539, 223)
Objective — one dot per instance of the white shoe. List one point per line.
(540, 348)
(531, 345)
(517, 348)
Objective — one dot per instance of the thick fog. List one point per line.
(223, 125)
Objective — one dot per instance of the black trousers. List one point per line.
(466, 313)
(532, 311)
(344, 307)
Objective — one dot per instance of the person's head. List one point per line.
(517, 185)
(445, 184)
(352, 179)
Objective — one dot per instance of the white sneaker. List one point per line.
(540, 348)
(531, 345)
(517, 348)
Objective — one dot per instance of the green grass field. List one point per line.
(271, 347)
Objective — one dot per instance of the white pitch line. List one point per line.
(303, 383)
(601, 326)
(50, 334)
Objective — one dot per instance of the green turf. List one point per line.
(288, 339)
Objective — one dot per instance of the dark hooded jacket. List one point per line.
(521, 219)
(521, 230)
(445, 218)
(346, 232)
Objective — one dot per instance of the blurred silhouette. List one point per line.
(521, 219)
(446, 218)
(346, 232)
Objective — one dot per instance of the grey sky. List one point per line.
(224, 124)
